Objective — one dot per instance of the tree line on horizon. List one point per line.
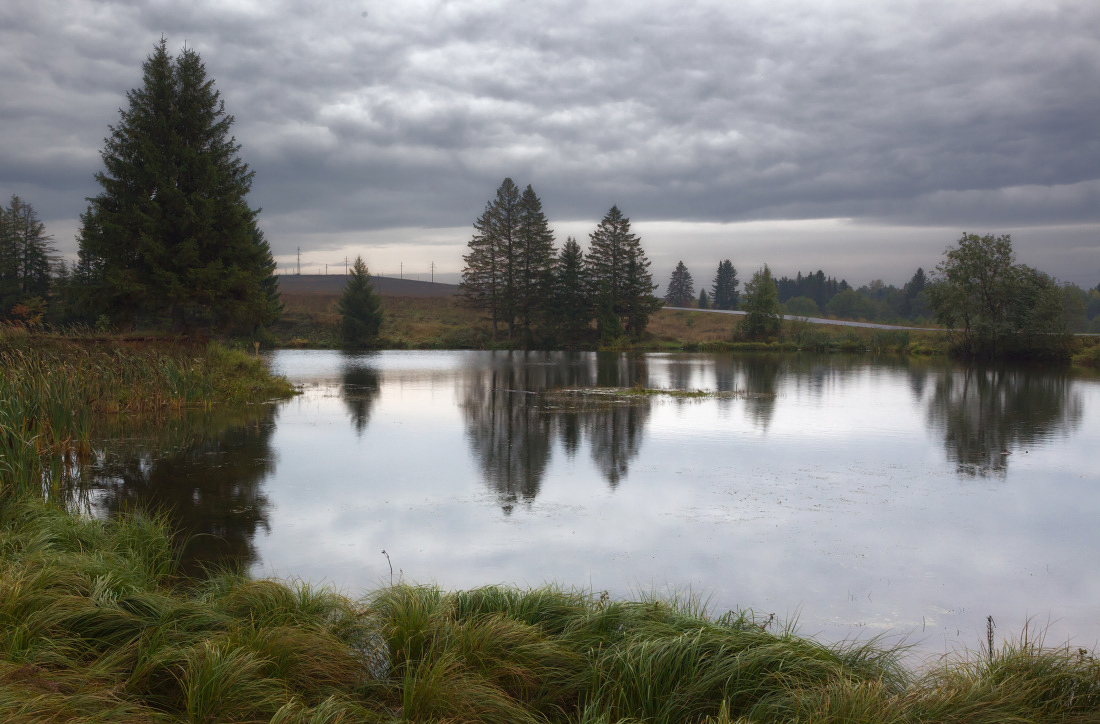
(816, 295)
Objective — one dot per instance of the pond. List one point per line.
(858, 496)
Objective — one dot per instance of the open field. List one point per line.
(311, 319)
(419, 315)
(333, 285)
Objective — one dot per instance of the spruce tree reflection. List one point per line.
(614, 431)
(682, 376)
(509, 435)
(986, 414)
(568, 426)
(206, 473)
(762, 384)
(615, 436)
(618, 369)
(512, 430)
(361, 385)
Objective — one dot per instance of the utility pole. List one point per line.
(433, 272)
(326, 270)
(402, 272)
(299, 261)
(345, 266)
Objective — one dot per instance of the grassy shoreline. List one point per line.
(54, 387)
(99, 623)
(97, 626)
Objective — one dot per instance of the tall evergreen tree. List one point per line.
(481, 277)
(762, 304)
(681, 287)
(536, 260)
(619, 273)
(704, 299)
(640, 302)
(724, 290)
(571, 304)
(171, 235)
(493, 274)
(25, 257)
(506, 236)
(360, 308)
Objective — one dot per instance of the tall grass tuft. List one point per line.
(1022, 678)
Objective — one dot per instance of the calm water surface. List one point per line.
(861, 497)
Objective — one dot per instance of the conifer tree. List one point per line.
(360, 308)
(640, 303)
(681, 287)
(704, 300)
(25, 256)
(506, 237)
(724, 289)
(762, 304)
(571, 305)
(493, 274)
(535, 252)
(481, 277)
(171, 236)
(619, 273)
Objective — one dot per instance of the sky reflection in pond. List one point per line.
(859, 496)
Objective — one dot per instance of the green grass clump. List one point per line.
(97, 624)
(1089, 356)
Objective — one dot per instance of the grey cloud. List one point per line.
(410, 115)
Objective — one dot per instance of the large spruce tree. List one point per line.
(765, 316)
(481, 277)
(724, 289)
(25, 254)
(171, 237)
(493, 275)
(535, 260)
(571, 305)
(619, 273)
(360, 308)
(681, 287)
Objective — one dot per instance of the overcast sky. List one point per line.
(861, 138)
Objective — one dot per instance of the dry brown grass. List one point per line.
(419, 320)
(313, 320)
(692, 327)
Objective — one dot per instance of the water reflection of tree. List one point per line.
(761, 375)
(509, 436)
(204, 471)
(361, 385)
(985, 413)
(614, 369)
(512, 431)
(615, 436)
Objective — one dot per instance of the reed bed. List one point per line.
(54, 391)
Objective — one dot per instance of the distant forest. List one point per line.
(816, 294)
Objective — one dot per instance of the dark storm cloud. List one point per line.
(386, 114)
